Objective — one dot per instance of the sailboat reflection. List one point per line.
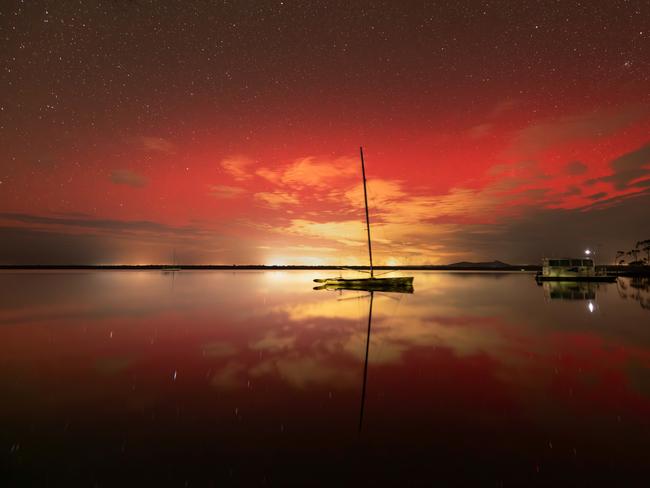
(365, 363)
(397, 288)
(385, 286)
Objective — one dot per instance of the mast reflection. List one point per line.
(399, 288)
(365, 363)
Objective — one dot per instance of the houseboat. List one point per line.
(571, 269)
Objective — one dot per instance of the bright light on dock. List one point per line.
(587, 252)
(591, 307)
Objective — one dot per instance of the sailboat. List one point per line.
(174, 266)
(402, 284)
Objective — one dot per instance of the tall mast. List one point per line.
(365, 199)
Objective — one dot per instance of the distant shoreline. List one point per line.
(642, 271)
(167, 267)
(626, 271)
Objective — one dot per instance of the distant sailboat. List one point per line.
(402, 284)
(174, 266)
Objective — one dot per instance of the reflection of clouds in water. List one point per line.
(326, 309)
(113, 365)
(302, 371)
(273, 325)
(400, 326)
(295, 368)
(230, 376)
(218, 350)
(639, 376)
(272, 342)
(480, 337)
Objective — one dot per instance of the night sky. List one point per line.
(229, 132)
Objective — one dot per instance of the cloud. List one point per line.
(479, 131)
(518, 173)
(127, 177)
(592, 125)
(407, 226)
(100, 224)
(430, 228)
(277, 199)
(269, 175)
(237, 167)
(572, 191)
(630, 170)
(575, 168)
(556, 232)
(349, 232)
(503, 107)
(157, 144)
(311, 172)
(381, 192)
(223, 191)
(19, 245)
(37, 239)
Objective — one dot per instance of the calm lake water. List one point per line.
(216, 378)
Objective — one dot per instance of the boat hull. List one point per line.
(402, 284)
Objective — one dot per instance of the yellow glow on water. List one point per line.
(296, 261)
(277, 276)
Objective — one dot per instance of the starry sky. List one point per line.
(228, 132)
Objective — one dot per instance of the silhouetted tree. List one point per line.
(635, 254)
(639, 247)
(645, 247)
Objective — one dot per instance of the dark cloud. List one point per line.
(606, 226)
(596, 124)
(21, 245)
(535, 193)
(479, 131)
(572, 191)
(37, 239)
(628, 168)
(642, 184)
(25, 246)
(597, 196)
(126, 177)
(576, 168)
(102, 224)
(156, 144)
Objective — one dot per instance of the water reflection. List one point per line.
(238, 378)
(636, 288)
(365, 363)
(568, 290)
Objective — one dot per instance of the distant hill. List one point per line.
(490, 264)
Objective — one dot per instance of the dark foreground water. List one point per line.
(253, 378)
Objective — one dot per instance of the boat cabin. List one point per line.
(568, 267)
